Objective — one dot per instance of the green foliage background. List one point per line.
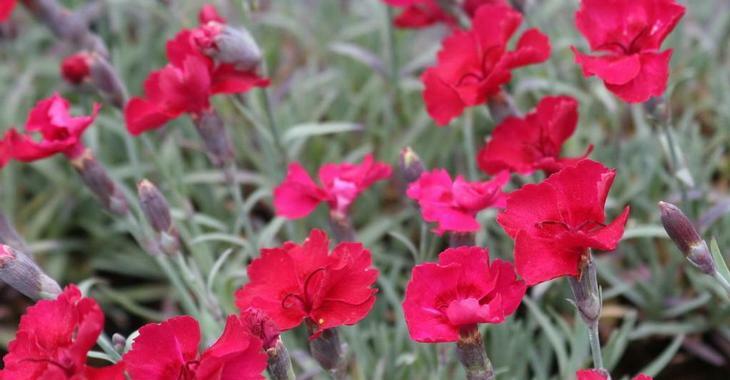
(346, 83)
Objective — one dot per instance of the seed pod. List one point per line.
(685, 236)
(23, 274)
(98, 181)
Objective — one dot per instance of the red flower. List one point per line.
(6, 9)
(458, 292)
(454, 205)
(60, 132)
(76, 68)
(524, 145)
(472, 65)
(297, 196)
(629, 33)
(295, 283)
(169, 350)
(423, 13)
(53, 339)
(186, 84)
(209, 13)
(597, 374)
(556, 221)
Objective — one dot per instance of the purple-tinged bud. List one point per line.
(98, 181)
(685, 236)
(217, 143)
(23, 274)
(227, 44)
(410, 165)
(157, 211)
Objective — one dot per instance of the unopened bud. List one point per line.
(76, 68)
(23, 274)
(215, 137)
(119, 343)
(685, 236)
(410, 165)
(157, 211)
(226, 44)
(98, 181)
(107, 81)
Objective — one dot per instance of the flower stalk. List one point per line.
(341, 226)
(587, 298)
(471, 354)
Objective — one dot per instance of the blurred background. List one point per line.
(346, 83)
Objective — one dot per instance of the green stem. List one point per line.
(595, 342)
(185, 298)
(469, 145)
(722, 281)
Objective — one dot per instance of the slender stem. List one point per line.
(241, 215)
(473, 356)
(273, 126)
(108, 347)
(186, 299)
(469, 145)
(722, 280)
(595, 342)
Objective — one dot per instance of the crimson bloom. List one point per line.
(6, 9)
(53, 339)
(76, 68)
(424, 13)
(524, 145)
(305, 282)
(455, 204)
(297, 196)
(629, 35)
(460, 291)
(597, 374)
(169, 350)
(186, 83)
(555, 223)
(472, 65)
(60, 133)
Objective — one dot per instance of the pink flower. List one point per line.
(629, 33)
(454, 205)
(60, 132)
(209, 13)
(555, 222)
(6, 9)
(169, 350)
(597, 374)
(54, 338)
(340, 184)
(423, 13)
(534, 142)
(460, 291)
(472, 65)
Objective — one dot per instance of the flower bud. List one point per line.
(215, 137)
(157, 211)
(76, 68)
(226, 44)
(262, 326)
(97, 180)
(410, 165)
(92, 68)
(685, 236)
(23, 274)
